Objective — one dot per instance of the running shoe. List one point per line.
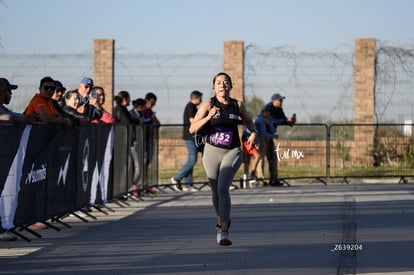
(176, 185)
(224, 238)
(38, 225)
(7, 236)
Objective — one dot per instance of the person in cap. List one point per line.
(59, 99)
(88, 101)
(42, 104)
(59, 91)
(5, 97)
(277, 113)
(278, 118)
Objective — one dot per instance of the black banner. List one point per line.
(48, 171)
(14, 141)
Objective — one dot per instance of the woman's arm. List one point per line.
(203, 115)
(248, 122)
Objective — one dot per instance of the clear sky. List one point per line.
(199, 26)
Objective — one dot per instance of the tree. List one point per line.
(254, 106)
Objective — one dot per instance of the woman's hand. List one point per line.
(212, 112)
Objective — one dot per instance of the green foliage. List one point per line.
(408, 156)
(342, 151)
(254, 106)
(385, 150)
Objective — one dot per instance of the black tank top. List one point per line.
(224, 132)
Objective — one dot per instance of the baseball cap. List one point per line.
(87, 81)
(5, 84)
(59, 86)
(277, 96)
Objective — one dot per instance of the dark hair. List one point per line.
(45, 79)
(121, 96)
(226, 75)
(196, 94)
(98, 88)
(150, 95)
(67, 95)
(138, 102)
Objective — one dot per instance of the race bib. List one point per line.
(221, 136)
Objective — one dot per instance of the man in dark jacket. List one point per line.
(278, 118)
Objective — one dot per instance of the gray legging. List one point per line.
(221, 165)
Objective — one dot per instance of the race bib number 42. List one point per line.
(221, 136)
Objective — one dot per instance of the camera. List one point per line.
(93, 95)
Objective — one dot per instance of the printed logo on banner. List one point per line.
(85, 169)
(63, 172)
(35, 176)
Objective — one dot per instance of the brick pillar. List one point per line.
(234, 65)
(364, 100)
(364, 68)
(103, 68)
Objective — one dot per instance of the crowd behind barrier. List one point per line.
(50, 171)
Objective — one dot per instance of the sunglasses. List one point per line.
(49, 88)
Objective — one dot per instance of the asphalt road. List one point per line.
(302, 229)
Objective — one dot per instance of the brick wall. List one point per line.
(172, 153)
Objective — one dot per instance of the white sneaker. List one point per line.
(218, 229)
(7, 236)
(191, 188)
(175, 185)
(223, 237)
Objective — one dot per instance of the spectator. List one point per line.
(59, 102)
(5, 97)
(151, 124)
(106, 116)
(71, 104)
(121, 113)
(279, 118)
(88, 103)
(149, 115)
(6, 114)
(251, 157)
(58, 94)
(186, 171)
(42, 104)
(138, 111)
(266, 133)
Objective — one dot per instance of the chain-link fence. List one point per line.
(319, 86)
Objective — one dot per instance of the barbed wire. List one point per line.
(304, 78)
(319, 86)
(394, 84)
